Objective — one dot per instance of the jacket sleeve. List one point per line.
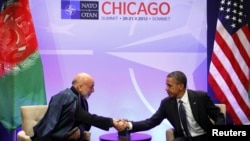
(92, 119)
(214, 112)
(50, 119)
(151, 122)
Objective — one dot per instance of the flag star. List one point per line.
(233, 25)
(221, 8)
(223, 2)
(234, 18)
(240, 13)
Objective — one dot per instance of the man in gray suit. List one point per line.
(198, 109)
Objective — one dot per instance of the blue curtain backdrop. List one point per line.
(212, 10)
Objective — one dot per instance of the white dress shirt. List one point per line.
(193, 126)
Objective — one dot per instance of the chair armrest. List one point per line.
(21, 136)
(170, 134)
(86, 136)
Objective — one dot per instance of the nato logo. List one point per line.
(79, 10)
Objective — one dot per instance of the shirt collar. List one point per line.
(74, 90)
(184, 97)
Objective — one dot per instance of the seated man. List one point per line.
(196, 105)
(68, 110)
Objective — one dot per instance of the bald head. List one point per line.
(81, 78)
(84, 84)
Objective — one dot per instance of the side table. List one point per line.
(132, 137)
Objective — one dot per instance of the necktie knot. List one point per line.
(180, 101)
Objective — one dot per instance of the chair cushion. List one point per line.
(30, 116)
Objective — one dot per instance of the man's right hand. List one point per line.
(120, 124)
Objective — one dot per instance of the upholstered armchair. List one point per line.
(31, 115)
(170, 132)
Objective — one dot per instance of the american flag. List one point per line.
(229, 72)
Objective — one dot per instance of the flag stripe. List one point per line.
(245, 36)
(220, 87)
(232, 53)
(244, 40)
(233, 81)
(220, 95)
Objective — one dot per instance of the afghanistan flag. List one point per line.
(21, 71)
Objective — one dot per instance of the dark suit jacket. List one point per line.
(201, 105)
(60, 118)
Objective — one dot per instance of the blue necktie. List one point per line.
(183, 118)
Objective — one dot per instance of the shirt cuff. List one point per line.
(130, 126)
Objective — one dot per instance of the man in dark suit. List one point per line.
(68, 110)
(198, 108)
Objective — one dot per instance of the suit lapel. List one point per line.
(86, 107)
(175, 114)
(193, 104)
(84, 104)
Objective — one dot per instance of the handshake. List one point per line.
(121, 124)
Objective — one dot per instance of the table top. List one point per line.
(132, 137)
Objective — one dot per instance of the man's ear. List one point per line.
(182, 86)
